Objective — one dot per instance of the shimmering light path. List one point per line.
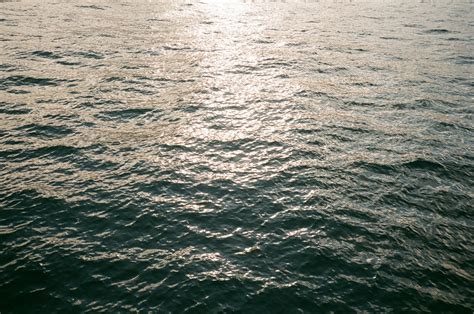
(248, 156)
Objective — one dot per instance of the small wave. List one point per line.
(124, 114)
(174, 48)
(423, 164)
(45, 131)
(20, 80)
(296, 44)
(87, 54)
(46, 54)
(9, 109)
(68, 63)
(263, 41)
(360, 104)
(312, 94)
(58, 151)
(18, 91)
(437, 31)
(413, 25)
(273, 63)
(244, 69)
(94, 7)
(455, 39)
(364, 84)
(464, 60)
(390, 38)
(427, 104)
(419, 164)
(8, 68)
(158, 20)
(141, 91)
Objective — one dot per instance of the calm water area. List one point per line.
(236, 156)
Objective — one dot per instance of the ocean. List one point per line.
(236, 156)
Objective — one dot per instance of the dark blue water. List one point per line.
(236, 156)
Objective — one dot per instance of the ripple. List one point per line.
(94, 7)
(437, 31)
(20, 80)
(45, 54)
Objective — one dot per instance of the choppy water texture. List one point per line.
(236, 156)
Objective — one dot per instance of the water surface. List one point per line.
(236, 156)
